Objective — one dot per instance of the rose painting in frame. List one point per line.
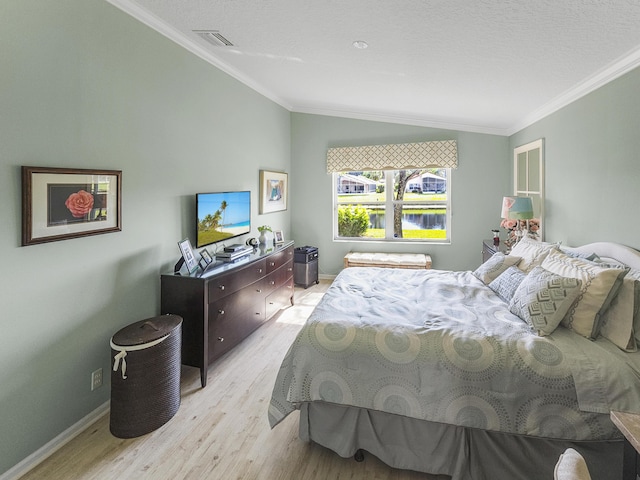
(62, 203)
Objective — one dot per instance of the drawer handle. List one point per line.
(257, 313)
(272, 263)
(221, 339)
(221, 312)
(259, 270)
(273, 282)
(259, 290)
(289, 269)
(221, 287)
(270, 303)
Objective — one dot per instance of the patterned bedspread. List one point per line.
(441, 346)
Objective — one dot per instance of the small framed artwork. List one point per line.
(187, 255)
(273, 191)
(205, 258)
(278, 237)
(63, 203)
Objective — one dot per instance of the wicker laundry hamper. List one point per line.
(145, 379)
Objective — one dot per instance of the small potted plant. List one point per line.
(263, 238)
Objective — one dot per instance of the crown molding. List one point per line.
(400, 119)
(615, 70)
(189, 44)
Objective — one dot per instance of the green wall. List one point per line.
(83, 84)
(477, 187)
(592, 165)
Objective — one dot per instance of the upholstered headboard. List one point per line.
(615, 251)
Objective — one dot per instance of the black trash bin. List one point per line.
(145, 379)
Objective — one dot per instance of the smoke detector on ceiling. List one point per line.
(214, 37)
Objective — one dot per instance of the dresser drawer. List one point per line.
(277, 260)
(231, 282)
(227, 332)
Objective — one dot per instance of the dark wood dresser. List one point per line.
(227, 302)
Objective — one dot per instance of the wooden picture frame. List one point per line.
(278, 237)
(64, 203)
(273, 191)
(187, 255)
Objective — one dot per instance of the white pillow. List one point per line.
(618, 321)
(531, 252)
(600, 284)
(571, 466)
(507, 283)
(543, 298)
(497, 263)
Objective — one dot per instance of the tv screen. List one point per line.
(221, 216)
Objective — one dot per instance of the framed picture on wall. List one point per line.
(273, 191)
(63, 203)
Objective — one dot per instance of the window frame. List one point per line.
(388, 206)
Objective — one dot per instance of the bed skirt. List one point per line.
(436, 448)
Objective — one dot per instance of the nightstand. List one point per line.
(488, 249)
(629, 425)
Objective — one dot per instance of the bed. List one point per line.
(478, 375)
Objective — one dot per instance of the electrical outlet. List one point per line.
(96, 379)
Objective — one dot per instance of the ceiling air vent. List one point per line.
(214, 37)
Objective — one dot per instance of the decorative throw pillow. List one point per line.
(543, 298)
(572, 252)
(600, 283)
(493, 267)
(532, 252)
(618, 322)
(507, 283)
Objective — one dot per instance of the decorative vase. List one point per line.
(262, 238)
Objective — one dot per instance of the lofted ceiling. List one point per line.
(490, 66)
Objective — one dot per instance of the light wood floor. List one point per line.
(221, 431)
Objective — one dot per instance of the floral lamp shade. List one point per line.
(517, 208)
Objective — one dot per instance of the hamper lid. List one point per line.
(146, 331)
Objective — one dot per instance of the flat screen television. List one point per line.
(222, 216)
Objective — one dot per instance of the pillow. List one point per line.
(572, 252)
(571, 466)
(507, 282)
(532, 253)
(600, 283)
(493, 267)
(543, 298)
(619, 321)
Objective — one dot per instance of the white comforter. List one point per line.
(441, 346)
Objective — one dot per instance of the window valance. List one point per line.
(436, 154)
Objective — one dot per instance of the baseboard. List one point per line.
(322, 276)
(51, 447)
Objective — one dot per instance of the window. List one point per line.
(394, 205)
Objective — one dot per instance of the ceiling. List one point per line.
(490, 66)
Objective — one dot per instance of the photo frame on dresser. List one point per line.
(205, 259)
(188, 257)
(278, 237)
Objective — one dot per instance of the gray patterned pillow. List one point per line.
(543, 298)
(507, 283)
(498, 263)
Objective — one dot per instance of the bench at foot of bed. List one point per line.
(387, 260)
